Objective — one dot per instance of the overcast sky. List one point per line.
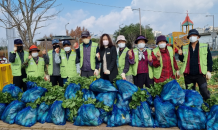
(107, 19)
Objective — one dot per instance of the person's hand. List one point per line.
(180, 52)
(107, 72)
(178, 74)
(47, 78)
(130, 53)
(76, 45)
(158, 54)
(57, 50)
(29, 57)
(98, 55)
(123, 76)
(96, 72)
(15, 49)
(208, 75)
(150, 58)
(44, 52)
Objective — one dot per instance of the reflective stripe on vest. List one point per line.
(16, 66)
(34, 70)
(135, 66)
(157, 71)
(92, 55)
(68, 67)
(203, 57)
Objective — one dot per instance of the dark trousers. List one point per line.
(18, 81)
(202, 83)
(55, 80)
(87, 73)
(141, 79)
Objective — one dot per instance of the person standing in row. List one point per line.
(35, 65)
(125, 59)
(143, 68)
(197, 63)
(54, 68)
(87, 51)
(67, 61)
(17, 57)
(107, 57)
(164, 62)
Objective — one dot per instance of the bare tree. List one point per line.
(26, 16)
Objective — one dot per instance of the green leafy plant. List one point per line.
(6, 98)
(104, 107)
(137, 98)
(37, 80)
(215, 64)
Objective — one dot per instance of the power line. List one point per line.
(156, 11)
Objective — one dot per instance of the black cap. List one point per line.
(66, 42)
(85, 34)
(193, 32)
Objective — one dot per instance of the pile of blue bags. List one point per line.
(174, 107)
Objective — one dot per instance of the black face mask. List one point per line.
(56, 46)
(19, 48)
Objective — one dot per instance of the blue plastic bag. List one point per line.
(118, 117)
(88, 94)
(2, 108)
(71, 91)
(10, 112)
(165, 113)
(107, 98)
(126, 89)
(121, 104)
(12, 89)
(104, 115)
(30, 85)
(212, 118)
(141, 116)
(173, 92)
(33, 94)
(193, 98)
(42, 112)
(102, 86)
(149, 99)
(88, 115)
(56, 114)
(26, 117)
(190, 118)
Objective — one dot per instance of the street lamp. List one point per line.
(139, 18)
(214, 42)
(145, 28)
(119, 28)
(66, 27)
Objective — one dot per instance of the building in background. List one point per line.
(157, 33)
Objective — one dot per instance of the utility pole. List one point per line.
(214, 35)
(66, 28)
(139, 19)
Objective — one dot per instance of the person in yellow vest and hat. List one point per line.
(67, 61)
(164, 62)
(143, 68)
(197, 63)
(87, 51)
(16, 58)
(125, 59)
(35, 65)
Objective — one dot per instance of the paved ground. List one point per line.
(69, 126)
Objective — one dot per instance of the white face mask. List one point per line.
(193, 38)
(86, 41)
(162, 45)
(121, 45)
(67, 48)
(141, 45)
(35, 54)
(105, 42)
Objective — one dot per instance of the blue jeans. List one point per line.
(64, 80)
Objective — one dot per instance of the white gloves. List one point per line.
(47, 78)
(96, 72)
(123, 76)
(180, 52)
(177, 74)
(98, 56)
(208, 75)
(107, 72)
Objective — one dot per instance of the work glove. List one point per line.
(107, 72)
(177, 74)
(47, 78)
(180, 52)
(96, 72)
(208, 75)
(98, 56)
(123, 76)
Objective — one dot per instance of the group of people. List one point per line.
(141, 64)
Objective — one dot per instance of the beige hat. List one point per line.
(120, 37)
